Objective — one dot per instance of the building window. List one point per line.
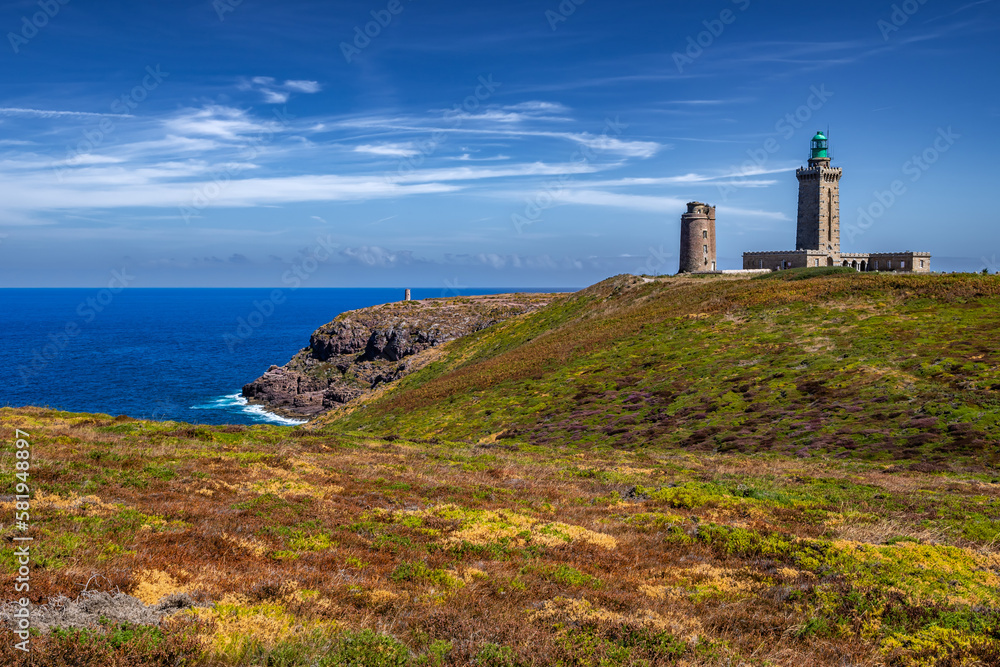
(705, 249)
(817, 262)
(829, 220)
(704, 233)
(921, 264)
(706, 261)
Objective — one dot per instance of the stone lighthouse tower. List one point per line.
(819, 202)
(697, 238)
(817, 233)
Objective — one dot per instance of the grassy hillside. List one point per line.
(878, 366)
(681, 472)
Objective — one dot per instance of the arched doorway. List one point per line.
(864, 266)
(829, 261)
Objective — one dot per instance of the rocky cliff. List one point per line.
(361, 349)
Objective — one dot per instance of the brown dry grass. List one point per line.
(290, 532)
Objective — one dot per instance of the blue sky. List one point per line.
(471, 144)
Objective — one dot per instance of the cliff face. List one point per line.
(361, 349)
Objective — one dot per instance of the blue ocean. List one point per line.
(166, 354)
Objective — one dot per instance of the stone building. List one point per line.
(817, 234)
(697, 239)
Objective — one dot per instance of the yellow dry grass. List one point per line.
(154, 585)
(285, 483)
(879, 531)
(489, 527)
(235, 622)
(90, 504)
(256, 547)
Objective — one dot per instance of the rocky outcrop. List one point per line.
(362, 349)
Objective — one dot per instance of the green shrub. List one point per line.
(436, 653)
(564, 574)
(804, 273)
(367, 649)
(420, 572)
(494, 655)
(688, 496)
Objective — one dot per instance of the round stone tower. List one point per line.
(697, 238)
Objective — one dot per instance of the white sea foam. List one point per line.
(238, 403)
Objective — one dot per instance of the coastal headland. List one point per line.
(794, 469)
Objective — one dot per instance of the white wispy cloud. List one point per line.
(960, 9)
(125, 176)
(489, 123)
(687, 181)
(532, 110)
(88, 158)
(275, 92)
(171, 144)
(390, 150)
(55, 113)
(303, 86)
(538, 106)
(219, 121)
(511, 122)
(646, 203)
(42, 194)
(275, 97)
(493, 116)
(614, 145)
(512, 171)
(706, 102)
(618, 200)
(759, 171)
(662, 74)
(166, 161)
(466, 157)
(170, 184)
(737, 178)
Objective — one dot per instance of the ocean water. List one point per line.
(167, 354)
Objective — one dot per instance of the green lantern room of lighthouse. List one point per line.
(820, 146)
